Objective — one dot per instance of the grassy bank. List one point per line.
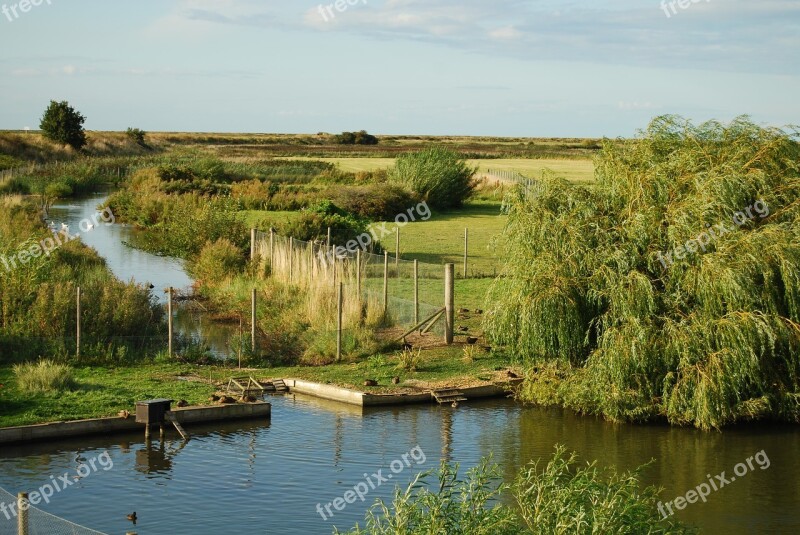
(104, 391)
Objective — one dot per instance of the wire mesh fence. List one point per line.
(30, 520)
(402, 292)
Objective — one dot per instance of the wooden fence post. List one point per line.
(253, 305)
(291, 257)
(22, 513)
(78, 323)
(272, 248)
(449, 302)
(358, 276)
(385, 282)
(416, 291)
(169, 319)
(339, 307)
(252, 244)
(466, 250)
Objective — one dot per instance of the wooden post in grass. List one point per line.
(416, 291)
(466, 250)
(22, 513)
(339, 307)
(358, 276)
(253, 304)
(385, 282)
(272, 249)
(78, 323)
(328, 251)
(449, 302)
(252, 244)
(169, 319)
(291, 257)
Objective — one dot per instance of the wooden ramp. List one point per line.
(170, 417)
(448, 396)
(245, 386)
(276, 386)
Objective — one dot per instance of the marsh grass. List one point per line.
(560, 496)
(44, 377)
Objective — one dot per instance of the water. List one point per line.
(128, 263)
(269, 478)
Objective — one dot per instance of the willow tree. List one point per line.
(669, 288)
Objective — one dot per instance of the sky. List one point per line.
(539, 68)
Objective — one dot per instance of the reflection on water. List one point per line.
(269, 478)
(128, 263)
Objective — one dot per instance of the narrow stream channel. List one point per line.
(128, 263)
(269, 478)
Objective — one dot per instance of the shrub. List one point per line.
(44, 377)
(136, 135)
(217, 261)
(438, 175)
(63, 124)
(314, 222)
(409, 359)
(376, 202)
(356, 138)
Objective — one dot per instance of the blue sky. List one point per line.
(472, 67)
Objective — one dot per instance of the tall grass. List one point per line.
(44, 377)
(557, 497)
(299, 265)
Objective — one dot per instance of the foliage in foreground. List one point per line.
(562, 497)
(611, 324)
(438, 175)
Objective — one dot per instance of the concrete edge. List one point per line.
(362, 399)
(117, 424)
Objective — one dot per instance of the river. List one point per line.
(269, 477)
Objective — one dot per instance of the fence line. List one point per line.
(530, 186)
(377, 288)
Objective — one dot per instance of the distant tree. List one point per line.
(63, 124)
(356, 138)
(137, 135)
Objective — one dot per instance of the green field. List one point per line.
(575, 170)
(440, 240)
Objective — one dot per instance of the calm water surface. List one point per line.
(128, 263)
(268, 478)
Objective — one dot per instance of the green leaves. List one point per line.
(438, 175)
(63, 124)
(699, 339)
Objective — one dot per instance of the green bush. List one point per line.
(137, 135)
(438, 175)
(44, 377)
(376, 202)
(356, 138)
(216, 262)
(314, 222)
